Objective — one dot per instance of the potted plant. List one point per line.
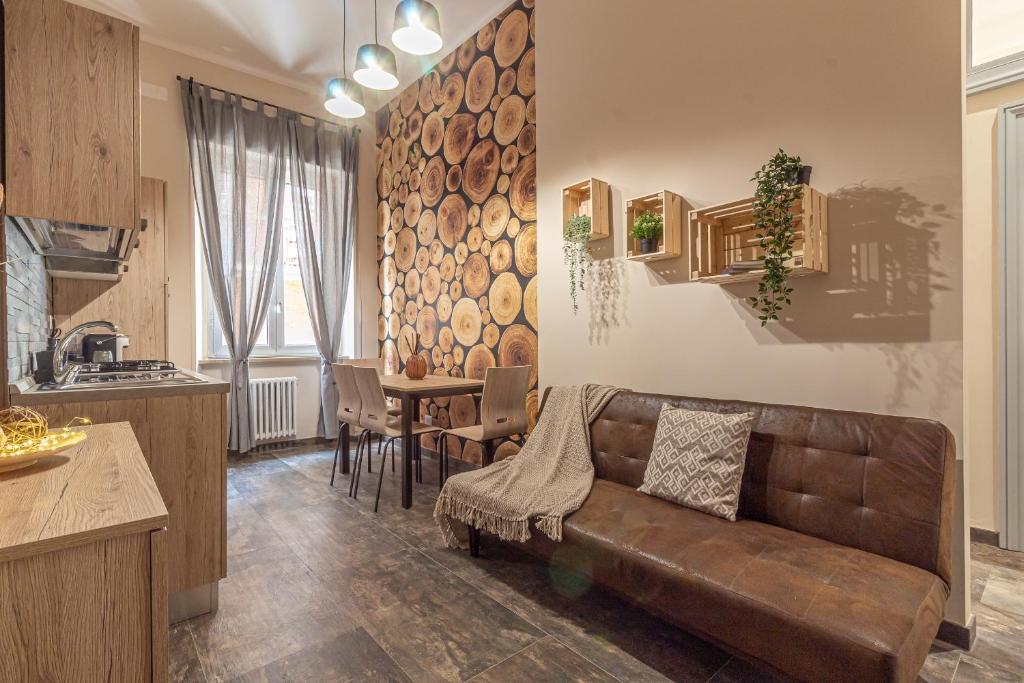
(576, 253)
(647, 227)
(778, 189)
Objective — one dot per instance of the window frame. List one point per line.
(276, 347)
(993, 74)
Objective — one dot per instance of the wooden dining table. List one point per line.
(410, 392)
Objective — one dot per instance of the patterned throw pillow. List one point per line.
(698, 460)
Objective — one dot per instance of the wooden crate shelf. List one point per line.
(590, 197)
(724, 233)
(673, 209)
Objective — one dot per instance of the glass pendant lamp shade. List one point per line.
(417, 27)
(376, 67)
(344, 99)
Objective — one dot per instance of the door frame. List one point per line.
(1010, 241)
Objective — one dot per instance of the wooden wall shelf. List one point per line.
(590, 197)
(725, 233)
(673, 209)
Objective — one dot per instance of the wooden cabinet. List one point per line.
(83, 566)
(72, 114)
(184, 441)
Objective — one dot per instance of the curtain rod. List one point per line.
(192, 81)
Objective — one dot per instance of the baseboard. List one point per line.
(984, 536)
(957, 635)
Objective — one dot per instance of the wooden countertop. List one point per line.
(100, 489)
(34, 396)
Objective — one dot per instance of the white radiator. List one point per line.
(273, 407)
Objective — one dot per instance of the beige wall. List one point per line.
(165, 156)
(688, 97)
(981, 290)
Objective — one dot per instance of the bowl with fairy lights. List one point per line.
(25, 437)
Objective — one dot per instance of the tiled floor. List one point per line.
(320, 588)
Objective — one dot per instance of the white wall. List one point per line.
(693, 98)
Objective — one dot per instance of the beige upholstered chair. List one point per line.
(502, 413)
(374, 416)
(349, 407)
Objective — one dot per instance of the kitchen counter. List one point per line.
(96, 490)
(83, 564)
(182, 431)
(25, 393)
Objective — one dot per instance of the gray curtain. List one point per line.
(322, 161)
(237, 157)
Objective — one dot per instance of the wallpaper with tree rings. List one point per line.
(456, 217)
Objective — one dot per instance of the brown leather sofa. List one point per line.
(838, 567)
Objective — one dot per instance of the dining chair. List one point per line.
(374, 416)
(502, 412)
(349, 408)
(396, 410)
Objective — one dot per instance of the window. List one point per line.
(995, 43)
(287, 330)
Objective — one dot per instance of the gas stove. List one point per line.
(126, 366)
(124, 373)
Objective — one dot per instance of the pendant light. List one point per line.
(417, 27)
(375, 64)
(344, 98)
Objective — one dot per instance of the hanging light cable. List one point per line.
(417, 27)
(375, 64)
(344, 98)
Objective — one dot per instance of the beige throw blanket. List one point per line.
(547, 480)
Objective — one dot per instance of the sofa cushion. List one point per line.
(807, 606)
(697, 460)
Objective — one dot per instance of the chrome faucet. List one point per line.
(65, 372)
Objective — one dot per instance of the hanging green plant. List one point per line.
(777, 190)
(576, 252)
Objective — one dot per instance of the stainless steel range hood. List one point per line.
(79, 251)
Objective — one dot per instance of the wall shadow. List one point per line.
(607, 292)
(882, 279)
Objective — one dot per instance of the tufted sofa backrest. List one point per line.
(880, 483)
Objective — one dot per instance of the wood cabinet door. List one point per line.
(72, 113)
(188, 460)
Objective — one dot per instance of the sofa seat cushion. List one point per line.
(799, 603)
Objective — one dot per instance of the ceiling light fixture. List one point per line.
(417, 28)
(344, 98)
(375, 64)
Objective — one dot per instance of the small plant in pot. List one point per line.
(647, 228)
(576, 253)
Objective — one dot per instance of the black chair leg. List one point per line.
(364, 440)
(474, 542)
(334, 468)
(380, 479)
(447, 460)
(440, 462)
(369, 460)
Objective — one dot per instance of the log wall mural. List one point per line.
(456, 217)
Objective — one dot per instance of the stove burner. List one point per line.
(128, 366)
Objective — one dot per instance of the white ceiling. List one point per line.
(297, 42)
